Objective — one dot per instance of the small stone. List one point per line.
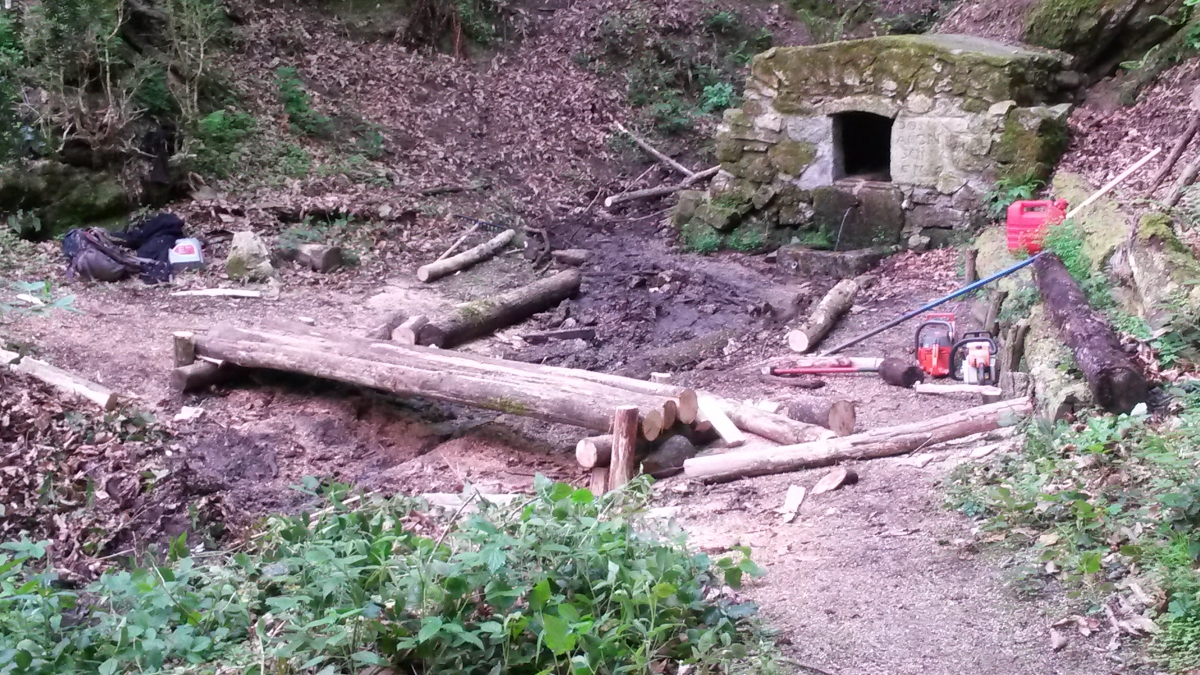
(919, 243)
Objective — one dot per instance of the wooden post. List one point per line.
(599, 480)
(185, 348)
(624, 447)
(991, 319)
(970, 274)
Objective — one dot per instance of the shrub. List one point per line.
(221, 135)
(561, 583)
(297, 104)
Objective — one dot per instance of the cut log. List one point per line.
(307, 337)
(970, 274)
(713, 411)
(943, 389)
(383, 330)
(624, 447)
(318, 257)
(185, 348)
(900, 374)
(858, 363)
(67, 382)
(201, 375)
(773, 427)
(575, 257)
(660, 378)
(834, 480)
(407, 332)
(667, 460)
(884, 442)
(438, 375)
(472, 256)
(837, 415)
(831, 308)
(1114, 379)
(991, 321)
(483, 317)
(458, 242)
(657, 155)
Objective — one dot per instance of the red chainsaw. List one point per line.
(941, 354)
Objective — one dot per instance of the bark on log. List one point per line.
(831, 308)
(900, 373)
(837, 415)
(436, 270)
(660, 191)
(607, 385)
(598, 480)
(885, 442)
(1185, 179)
(575, 403)
(1059, 393)
(201, 375)
(68, 382)
(624, 447)
(407, 332)
(483, 317)
(1114, 379)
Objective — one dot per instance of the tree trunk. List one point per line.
(624, 447)
(483, 317)
(682, 400)
(573, 402)
(900, 374)
(1115, 380)
(885, 442)
(837, 415)
(1059, 393)
(472, 256)
(831, 308)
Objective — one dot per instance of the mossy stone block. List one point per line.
(792, 157)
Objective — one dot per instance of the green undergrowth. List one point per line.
(675, 74)
(560, 583)
(1011, 189)
(1100, 507)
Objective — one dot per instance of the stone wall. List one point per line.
(964, 112)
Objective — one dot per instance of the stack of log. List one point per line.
(638, 411)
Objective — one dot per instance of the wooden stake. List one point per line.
(185, 348)
(714, 412)
(624, 447)
(599, 480)
(458, 242)
(1014, 346)
(970, 274)
(990, 322)
(436, 270)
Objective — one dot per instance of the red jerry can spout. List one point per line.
(1028, 221)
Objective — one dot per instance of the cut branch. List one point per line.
(657, 155)
(472, 256)
(661, 191)
(831, 308)
(483, 317)
(885, 442)
(1176, 153)
(67, 382)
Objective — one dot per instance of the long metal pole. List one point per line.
(936, 303)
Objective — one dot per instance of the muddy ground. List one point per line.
(876, 578)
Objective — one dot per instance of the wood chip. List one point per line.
(1057, 640)
(792, 502)
(834, 480)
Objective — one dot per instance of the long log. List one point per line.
(483, 317)
(683, 400)
(837, 415)
(884, 442)
(661, 191)
(201, 375)
(566, 401)
(657, 155)
(831, 308)
(472, 256)
(1116, 382)
(861, 363)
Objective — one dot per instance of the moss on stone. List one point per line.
(729, 149)
(749, 237)
(1160, 227)
(1064, 24)
(685, 208)
(722, 216)
(753, 166)
(1031, 144)
(62, 196)
(699, 237)
(792, 157)
(1104, 225)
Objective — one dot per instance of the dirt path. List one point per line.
(879, 578)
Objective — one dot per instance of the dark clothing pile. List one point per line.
(95, 253)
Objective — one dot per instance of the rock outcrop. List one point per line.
(59, 197)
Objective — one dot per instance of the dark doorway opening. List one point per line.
(864, 145)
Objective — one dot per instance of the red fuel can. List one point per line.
(1028, 221)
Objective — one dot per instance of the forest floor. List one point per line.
(878, 577)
